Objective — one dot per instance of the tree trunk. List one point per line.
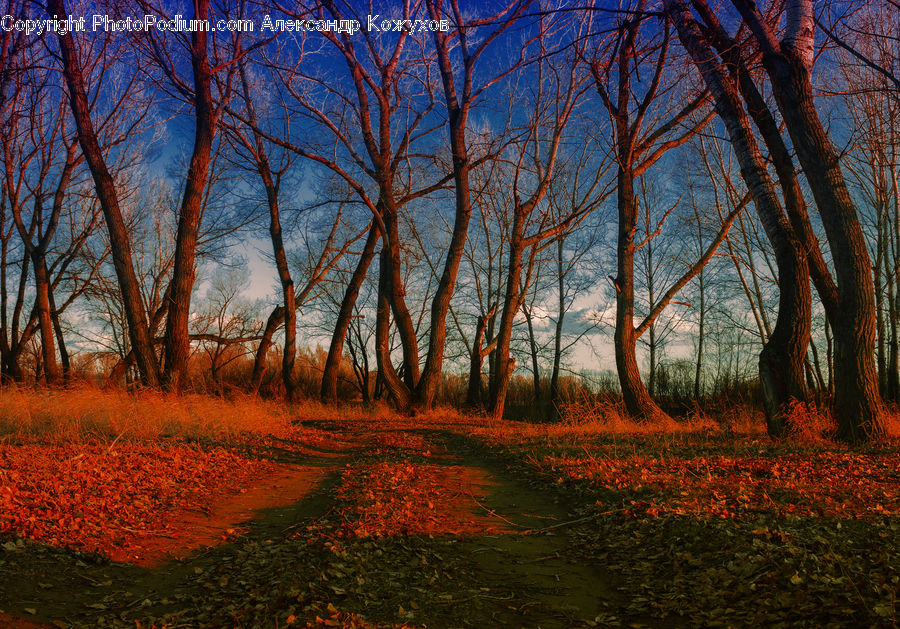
(535, 367)
(652, 345)
(638, 403)
(393, 264)
(360, 363)
(132, 302)
(503, 362)
(60, 338)
(553, 401)
(829, 358)
(265, 344)
(880, 327)
(289, 310)
(177, 342)
(12, 370)
(457, 117)
(328, 391)
(289, 354)
(473, 392)
(857, 405)
(52, 373)
(795, 204)
(781, 362)
(817, 365)
(893, 365)
(396, 388)
(698, 372)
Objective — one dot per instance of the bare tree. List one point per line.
(72, 67)
(212, 62)
(782, 361)
(873, 166)
(868, 33)
(36, 132)
(271, 181)
(459, 101)
(647, 125)
(558, 90)
(788, 62)
(345, 318)
(225, 323)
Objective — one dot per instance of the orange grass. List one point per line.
(83, 412)
(586, 420)
(67, 414)
(504, 432)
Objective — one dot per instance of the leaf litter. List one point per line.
(692, 533)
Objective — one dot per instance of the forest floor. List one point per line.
(379, 522)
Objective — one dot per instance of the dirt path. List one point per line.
(495, 551)
(68, 588)
(193, 531)
(530, 564)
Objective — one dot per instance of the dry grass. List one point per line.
(583, 423)
(88, 412)
(589, 416)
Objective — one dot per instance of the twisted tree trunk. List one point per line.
(351, 294)
(782, 360)
(638, 402)
(276, 318)
(788, 63)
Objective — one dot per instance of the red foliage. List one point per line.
(95, 498)
(410, 499)
(825, 483)
(402, 440)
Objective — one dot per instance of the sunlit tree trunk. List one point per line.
(64, 358)
(758, 109)
(135, 312)
(390, 380)
(52, 372)
(330, 375)
(638, 402)
(177, 341)
(276, 318)
(457, 117)
(638, 144)
(478, 352)
(395, 291)
(503, 362)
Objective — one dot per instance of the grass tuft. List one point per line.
(85, 413)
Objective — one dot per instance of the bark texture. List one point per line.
(276, 318)
(135, 313)
(782, 360)
(177, 342)
(788, 63)
(330, 375)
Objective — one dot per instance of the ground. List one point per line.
(447, 522)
